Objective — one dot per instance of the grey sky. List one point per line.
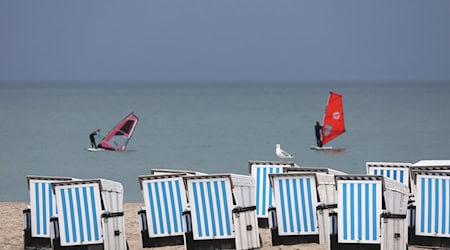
(203, 40)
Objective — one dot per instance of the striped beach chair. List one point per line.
(303, 201)
(42, 207)
(90, 215)
(260, 170)
(221, 212)
(164, 199)
(397, 171)
(431, 224)
(363, 203)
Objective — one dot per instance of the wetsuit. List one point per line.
(318, 130)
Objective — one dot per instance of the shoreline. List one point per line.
(11, 230)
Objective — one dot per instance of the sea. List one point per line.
(211, 127)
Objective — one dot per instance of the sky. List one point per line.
(228, 40)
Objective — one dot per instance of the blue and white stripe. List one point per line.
(164, 200)
(79, 214)
(397, 171)
(359, 209)
(264, 195)
(43, 207)
(433, 205)
(211, 205)
(296, 201)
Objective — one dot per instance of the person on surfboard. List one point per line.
(318, 129)
(92, 137)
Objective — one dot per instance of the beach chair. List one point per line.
(260, 170)
(161, 219)
(371, 213)
(221, 213)
(90, 215)
(397, 171)
(430, 220)
(303, 201)
(42, 207)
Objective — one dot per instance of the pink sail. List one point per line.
(117, 139)
(333, 121)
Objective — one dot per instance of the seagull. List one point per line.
(281, 153)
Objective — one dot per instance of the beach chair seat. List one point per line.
(304, 197)
(260, 170)
(161, 219)
(431, 211)
(42, 207)
(371, 213)
(90, 215)
(221, 213)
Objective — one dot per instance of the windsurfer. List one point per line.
(92, 137)
(318, 129)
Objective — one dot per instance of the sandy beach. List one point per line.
(11, 230)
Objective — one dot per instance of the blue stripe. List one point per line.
(422, 205)
(225, 202)
(205, 209)
(166, 207)
(352, 211)
(44, 209)
(50, 200)
(80, 220)
(211, 204)
(264, 187)
(366, 214)
(270, 190)
(152, 207)
(180, 203)
(86, 211)
(302, 198)
(219, 207)
(344, 209)
(38, 211)
(359, 211)
(444, 205)
(388, 173)
(436, 206)
(401, 176)
(72, 215)
(64, 211)
(429, 203)
(297, 208)
(289, 200)
(258, 187)
(197, 208)
(159, 209)
(395, 175)
(374, 211)
(375, 172)
(382, 172)
(94, 215)
(174, 210)
(311, 209)
(280, 183)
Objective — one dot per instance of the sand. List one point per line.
(11, 230)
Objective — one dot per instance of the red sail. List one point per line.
(119, 136)
(333, 121)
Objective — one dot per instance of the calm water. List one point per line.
(210, 128)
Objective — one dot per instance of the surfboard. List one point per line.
(95, 149)
(322, 148)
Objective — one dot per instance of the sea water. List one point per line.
(211, 128)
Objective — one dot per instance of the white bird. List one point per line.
(281, 153)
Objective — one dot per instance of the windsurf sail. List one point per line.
(117, 139)
(333, 120)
